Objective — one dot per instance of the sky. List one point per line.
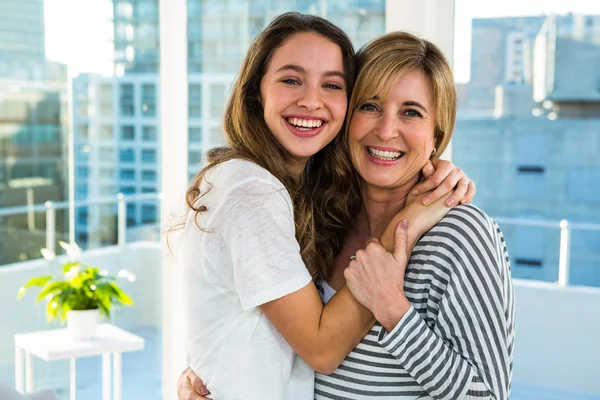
(81, 37)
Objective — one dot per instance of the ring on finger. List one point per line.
(352, 257)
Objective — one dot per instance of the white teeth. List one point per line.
(305, 123)
(384, 155)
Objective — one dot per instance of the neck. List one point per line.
(296, 168)
(380, 205)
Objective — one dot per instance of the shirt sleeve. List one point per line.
(468, 353)
(256, 223)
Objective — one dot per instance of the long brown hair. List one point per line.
(248, 135)
(337, 198)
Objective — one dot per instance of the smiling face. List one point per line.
(390, 139)
(303, 94)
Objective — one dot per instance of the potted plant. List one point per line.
(80, 295)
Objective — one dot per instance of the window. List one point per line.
(107, 154)
(148, 175)
(127, 155)
(533, 150)
(148, 189)
(106, 132)
(107, 190)
(81, 191)
(217, 101)
(148, 155)
(107, 173)
(149, 133)
(83, 172)
(148, 213)
(195, 157)
(148, 100)
(195, 100)
(127, 189)
(83, 132)
(82, 216)
(127, 133)
(127, 174)
(105, 99)
(127, 100)
(194, 135)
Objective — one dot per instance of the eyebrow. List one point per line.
(415, 104)
(406, 103)
(300, 70)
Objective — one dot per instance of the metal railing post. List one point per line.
(121, 219)
(50, 226)
(565, 249)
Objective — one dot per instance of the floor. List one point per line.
(142, 377)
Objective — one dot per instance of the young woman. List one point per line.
(249, 249)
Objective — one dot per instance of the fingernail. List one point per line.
(204, 391)
(451, 202)
(426, 200)
(415, 192)
(404, 224)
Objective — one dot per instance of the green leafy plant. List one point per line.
(79, 287)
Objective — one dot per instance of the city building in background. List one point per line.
(33, 130)
(528, 133)
(22, 46)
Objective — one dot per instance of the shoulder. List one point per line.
(468, 236)
(244, 191)
(238, 173)
(465, 221)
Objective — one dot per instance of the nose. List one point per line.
(311, 98)
(387, 127)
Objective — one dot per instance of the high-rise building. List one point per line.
(33, 135)
(22, 51)
(33, 162)
(534, 155)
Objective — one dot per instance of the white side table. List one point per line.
(57, 345)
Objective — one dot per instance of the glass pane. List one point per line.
(106, 53)
(528, 123)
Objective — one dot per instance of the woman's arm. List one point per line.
(468, 350)
(257, 228)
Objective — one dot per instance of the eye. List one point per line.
(368, 107)
(333, 86)
(413, 113)
(291, 81)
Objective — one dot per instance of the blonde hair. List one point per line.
(249, 137)
(380, 62)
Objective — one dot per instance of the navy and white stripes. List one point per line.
(456, 341)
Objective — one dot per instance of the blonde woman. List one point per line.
(445, 325)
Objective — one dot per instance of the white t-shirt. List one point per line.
(248, 256)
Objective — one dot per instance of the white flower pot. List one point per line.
(82, 324)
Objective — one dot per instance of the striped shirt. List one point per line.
(456, 340)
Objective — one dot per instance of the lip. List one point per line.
(385, 149)
(305, 116)
(384, 163)
(304, 134)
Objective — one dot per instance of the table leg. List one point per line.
(73, 379)
(117, 393)
(19, 370)
(28, 372)
(106, 376)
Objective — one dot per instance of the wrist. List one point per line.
(392, 312)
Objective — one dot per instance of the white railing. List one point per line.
(566, 228)
(51, 207)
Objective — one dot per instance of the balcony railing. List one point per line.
(50, 208)
(122, 200)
